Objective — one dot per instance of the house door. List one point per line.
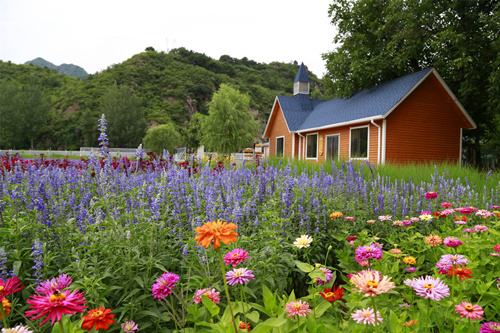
(332, 147)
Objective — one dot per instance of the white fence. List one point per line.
(179, 155)
(83, 152)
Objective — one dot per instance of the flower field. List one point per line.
(155, 246)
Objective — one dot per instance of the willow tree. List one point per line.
(229, 125)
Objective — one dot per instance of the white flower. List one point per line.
(425, 217)
(17, 329)
(304, 241)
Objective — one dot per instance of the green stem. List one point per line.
(374, 310)
(4, 316)
(327, 251)
(61, 325)
(226, 289)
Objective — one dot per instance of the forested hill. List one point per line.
(168, 87)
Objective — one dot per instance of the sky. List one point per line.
(95, 34)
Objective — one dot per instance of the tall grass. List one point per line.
(415, 172)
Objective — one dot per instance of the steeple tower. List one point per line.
(301, 81)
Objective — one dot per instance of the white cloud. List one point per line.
(97, 33)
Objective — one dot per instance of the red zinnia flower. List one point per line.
(462, 272)
(431, 195)
(54, 306)
(10, 286)
(245, 326)
(98, 319)
(351, 238)
(332, 294)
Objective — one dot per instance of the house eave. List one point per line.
(345, 123)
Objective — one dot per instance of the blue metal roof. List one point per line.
(302, 75)
(302, 112)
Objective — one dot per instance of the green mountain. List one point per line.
(171, 86)
(66, 69)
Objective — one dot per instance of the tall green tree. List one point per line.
(125, 114)
(192, 132)
(24, 114)
(162, 137)
(229, 126)
(379, 40)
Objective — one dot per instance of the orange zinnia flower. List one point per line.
(462, 272)
(216, 232)
(98, 319)
(6, 307)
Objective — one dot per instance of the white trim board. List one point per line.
(276, 100)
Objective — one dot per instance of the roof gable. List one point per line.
(304, 114)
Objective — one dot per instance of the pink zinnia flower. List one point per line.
(383, 218)
(447, 261)
(446, 212)
(446, 204)
(59, 283)
(372, 283)
(164, 285)
(235, 257)
(469, 311)
(429, 287)
(490, 327)
(452, 242)
(350, 218)
(239, 276)
(10, 286)
(431, 195)
(465, 210)
(297, 308)
(364, 253)
(484, 213)
(129, 327)
(410, 269)
(328, 276)
(496, 248)
(366, 317)
(54, 306)
(211, 294)
(480, 228)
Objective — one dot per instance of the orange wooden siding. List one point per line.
(277, 127)
(344, 133)
(425, 127)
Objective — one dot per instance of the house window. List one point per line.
(312, 146)
(359, 142)
(280, 146)
(332, 147)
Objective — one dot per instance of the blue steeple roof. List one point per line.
(301, 75)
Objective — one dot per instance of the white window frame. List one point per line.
(326, 146)
(367, 144)
(276, 145)
(317, 146)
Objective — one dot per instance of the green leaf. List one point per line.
(16, 267)
(322, 308)
(253, 316)
(210, 306)
(269, 300)
(304, 267)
